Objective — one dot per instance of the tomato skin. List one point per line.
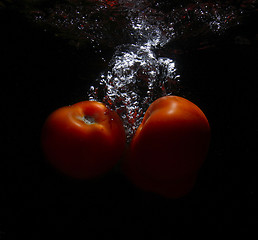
(169, 147)
(83, 140)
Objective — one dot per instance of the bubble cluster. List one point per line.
(116, 22)
(136, 76)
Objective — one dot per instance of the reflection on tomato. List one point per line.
(84, 140)
(169, 147)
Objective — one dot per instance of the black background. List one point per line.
(40, 72)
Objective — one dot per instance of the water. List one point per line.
(137, 30)
(136, 77)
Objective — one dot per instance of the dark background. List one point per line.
(40, 72)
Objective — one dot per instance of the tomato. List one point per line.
(83, 140)
(169, 147)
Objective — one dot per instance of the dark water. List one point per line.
(133, 52)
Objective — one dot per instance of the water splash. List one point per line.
(136, 29)
(136, 77)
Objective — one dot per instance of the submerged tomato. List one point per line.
(83, 140)
(169, 147)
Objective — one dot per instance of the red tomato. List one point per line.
(169, 147)
(83, 140)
